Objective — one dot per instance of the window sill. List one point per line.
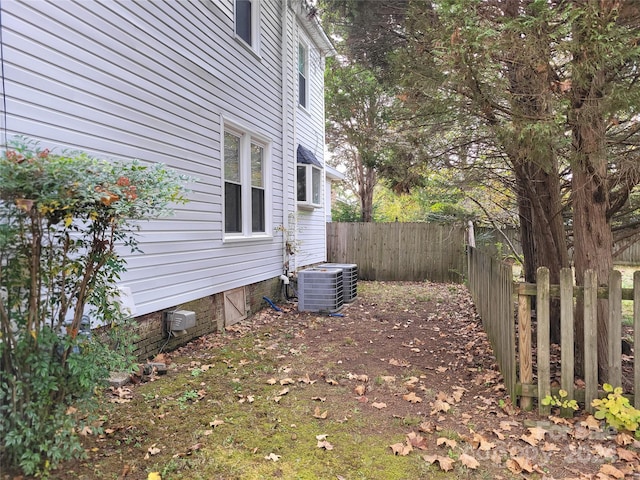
(308, 206)
(260, 237)
(255, 51)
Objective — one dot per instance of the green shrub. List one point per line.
(62, 218)
(616, 410)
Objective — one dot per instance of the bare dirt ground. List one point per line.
(403, 385)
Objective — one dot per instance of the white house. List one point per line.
(227, 91)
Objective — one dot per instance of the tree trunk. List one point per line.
(530, 146)
(593, 241)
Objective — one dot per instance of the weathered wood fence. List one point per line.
(491, 286)
(495, 300)
(399, 251)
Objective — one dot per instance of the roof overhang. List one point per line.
(307, 17)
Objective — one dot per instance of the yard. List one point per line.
(402, 386)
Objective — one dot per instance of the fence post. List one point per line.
(524, 342)
(542, 334)
(567, 342)
(614, 368)
(590, 338)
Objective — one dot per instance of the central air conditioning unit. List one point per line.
(349, 279)
(320, 290)
(180, 320)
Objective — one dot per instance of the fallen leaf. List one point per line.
(273, 457)
(524, 463)
(468, 461)
(417, 441)
(379, 405)
(360, 389)
(499, 434)
(331, 381)
(319, 399)
(536, 434)
(449, 442)
(324, 444)
(623, 439)
(441, 369)
(272, 381)
(445, 463)
(154, 476)
(550, 447)
(401, 449)
(153, 450)
(412, 397)
(591, 423)
(317, 414)
(283, 392)
(602, 451)
(216, 423)
(411, 381)
(286, 381)
(626, 455)
(399, 363)
(440, 406)
(425, 427)
(610, 470)
(306, 380)
(388, 378)
(506, 425)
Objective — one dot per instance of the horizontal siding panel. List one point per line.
(153, 80)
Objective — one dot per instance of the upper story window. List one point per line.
(246, 186)
(308, 178)
(246, 20)
(303, 74)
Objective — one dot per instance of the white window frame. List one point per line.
(305, 47)
(308, 202)
(254, 28)
(247, 138)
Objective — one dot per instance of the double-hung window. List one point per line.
(246, 21)
(246, 196)
(303, 74)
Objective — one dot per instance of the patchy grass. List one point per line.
(305, 396)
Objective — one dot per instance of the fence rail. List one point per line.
(399, 251)
(496, 301)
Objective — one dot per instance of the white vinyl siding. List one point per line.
(310, 134)
(153, 81)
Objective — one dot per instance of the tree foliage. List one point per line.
(540, 95)
(62, 217)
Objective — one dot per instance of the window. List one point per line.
(246, 159)
(309, 178)
(246, 20)
(303, 73)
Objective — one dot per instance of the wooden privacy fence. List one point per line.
(489, 282)
(399, 251)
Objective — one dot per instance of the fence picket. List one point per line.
(567, 358)
(524, 341)
(590, 338)
(615, 329)
(543, 340)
